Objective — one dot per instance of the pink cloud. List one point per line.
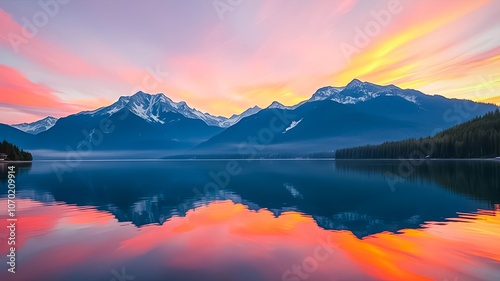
(25, 101)
(19, 90)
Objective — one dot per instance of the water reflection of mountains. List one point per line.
(479, 179)
(350, 195)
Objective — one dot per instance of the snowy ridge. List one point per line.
(278, 105)
(237, 117)
(357, 91)
(36, 127)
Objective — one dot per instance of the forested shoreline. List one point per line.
(14, 153)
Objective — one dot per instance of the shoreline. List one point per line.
(427, 159)
(253, 159)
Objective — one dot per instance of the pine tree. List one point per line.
(14, 153)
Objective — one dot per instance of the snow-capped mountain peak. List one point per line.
(38, 126)
(237, 117)
(150, 107)
(277, 105)
(358, 91)
(354, 83)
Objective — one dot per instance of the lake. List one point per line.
(254, 220)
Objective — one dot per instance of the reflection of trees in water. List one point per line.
(20, 169)
(476, 179)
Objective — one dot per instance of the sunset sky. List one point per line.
(224, 56)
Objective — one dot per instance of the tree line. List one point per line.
(476, 138)
(14, 153)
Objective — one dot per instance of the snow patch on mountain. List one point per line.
(409, 98)
(139, 110)
(325, 93)
(293, 125)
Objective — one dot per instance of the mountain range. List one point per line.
(334, 117)
(360, 113)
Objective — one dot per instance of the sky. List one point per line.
(60, 57)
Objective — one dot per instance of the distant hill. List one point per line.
(16, 136)
(13, 152)
(477, 138)
(38, 126)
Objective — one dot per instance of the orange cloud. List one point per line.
(378, 62)
(495, 100)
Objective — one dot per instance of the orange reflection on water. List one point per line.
(223, 238)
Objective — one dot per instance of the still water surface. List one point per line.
(255, 220)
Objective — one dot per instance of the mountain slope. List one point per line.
(237, 117)
(314, 126)
(16, 136)
(477, 138)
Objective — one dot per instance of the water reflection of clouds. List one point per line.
(224, 240)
